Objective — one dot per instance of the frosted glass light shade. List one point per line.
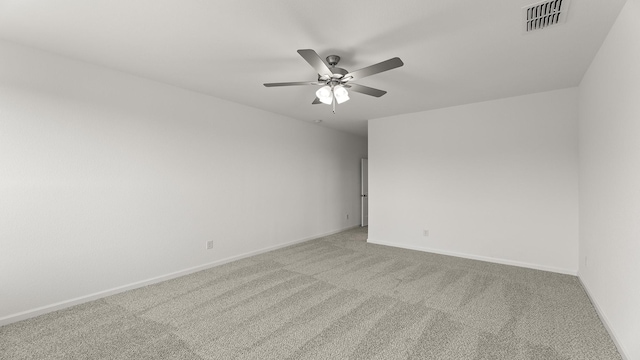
(324, 95)
(341, 94)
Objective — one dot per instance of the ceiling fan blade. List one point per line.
(315, 61)
(295, 83)
(366, 90)
(316, 102)
(374, 69)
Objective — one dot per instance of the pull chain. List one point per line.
(334, 100)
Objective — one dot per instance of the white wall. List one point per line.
(107, 180)
(610, 180)
(496, 181)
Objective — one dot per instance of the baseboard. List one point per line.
(477, 257)
(101, 294)
(604, 320)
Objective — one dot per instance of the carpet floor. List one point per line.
(335, 297)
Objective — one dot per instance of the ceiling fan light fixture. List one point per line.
(324, 95)
(341, 94)
(335, 81)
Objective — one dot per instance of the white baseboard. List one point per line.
(604, 320)
(477, 257)
(101, 294)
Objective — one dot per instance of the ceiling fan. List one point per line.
(335, 81)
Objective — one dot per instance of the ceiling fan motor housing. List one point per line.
(333, 60)
(338, 73)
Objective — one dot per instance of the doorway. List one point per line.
(364, 192)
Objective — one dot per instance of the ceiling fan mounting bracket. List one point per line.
(333, 60)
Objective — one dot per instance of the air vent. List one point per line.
(544, 14)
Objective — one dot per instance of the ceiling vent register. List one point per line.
(544, 14)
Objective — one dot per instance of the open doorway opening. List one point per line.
(364, 192)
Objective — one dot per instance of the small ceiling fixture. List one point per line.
(335, 81)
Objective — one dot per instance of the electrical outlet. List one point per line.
(586, 264)
(425, 233)
(209, 244)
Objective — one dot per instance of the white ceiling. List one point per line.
(455, 51)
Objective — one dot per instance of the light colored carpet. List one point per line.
(335, 297)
